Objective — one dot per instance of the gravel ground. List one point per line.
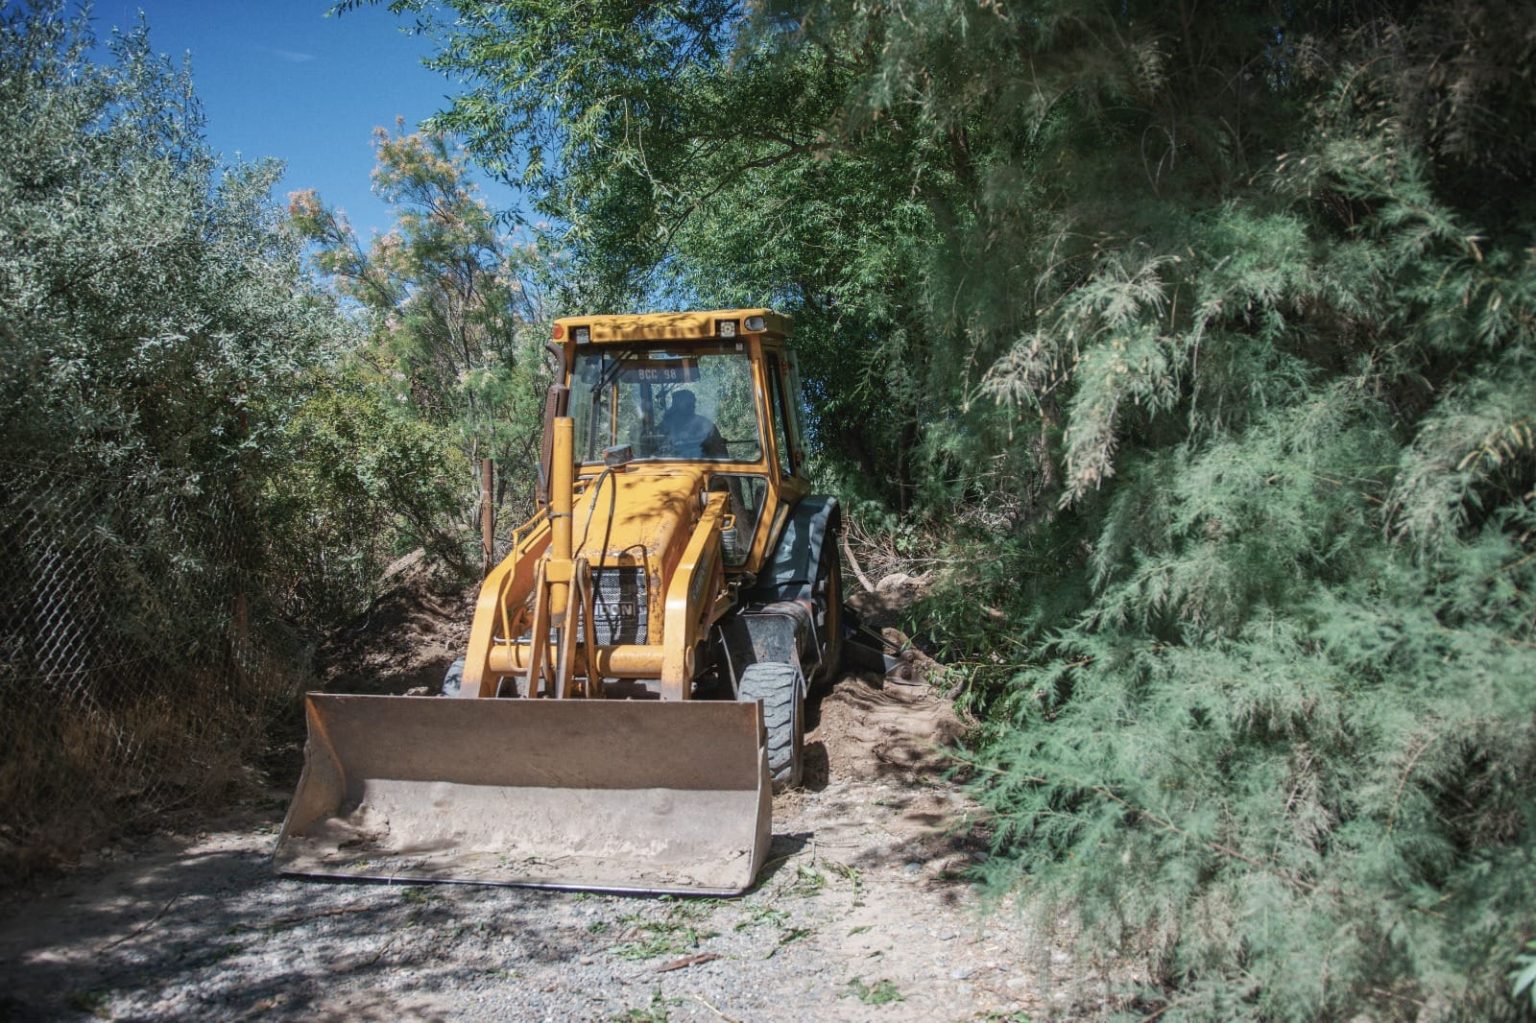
(861, 915)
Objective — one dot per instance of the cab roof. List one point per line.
(690, 326)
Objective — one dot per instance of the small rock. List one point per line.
(963, 973)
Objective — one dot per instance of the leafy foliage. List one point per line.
(679, 162)
(1523, 978)
(881, 992)
(156, 321)
(362, 485)
(453, 326)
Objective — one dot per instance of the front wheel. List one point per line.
(781, 691)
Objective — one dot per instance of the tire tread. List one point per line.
(778, 688)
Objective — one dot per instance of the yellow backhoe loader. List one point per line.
(635, 681)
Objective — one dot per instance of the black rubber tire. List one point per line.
(832, 626)
(778, 687)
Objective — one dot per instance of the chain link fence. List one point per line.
(131, 678)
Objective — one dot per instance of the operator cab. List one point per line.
(707, 390)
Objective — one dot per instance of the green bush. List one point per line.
(1286, 764)
(156, 324)
(362, 484)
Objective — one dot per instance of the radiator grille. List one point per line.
(620, 605)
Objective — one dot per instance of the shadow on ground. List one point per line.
(196, 931)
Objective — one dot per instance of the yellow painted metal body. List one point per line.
(627, 795)
(691, 326)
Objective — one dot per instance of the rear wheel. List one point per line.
(831, 624)
(778, 688)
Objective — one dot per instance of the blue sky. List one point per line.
(279, 78)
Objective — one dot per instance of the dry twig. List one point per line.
(142, 927)
(687, 961)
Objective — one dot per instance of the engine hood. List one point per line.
(637, 517)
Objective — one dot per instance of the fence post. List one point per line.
(487, 519)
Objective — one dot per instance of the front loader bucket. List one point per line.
(616, 795)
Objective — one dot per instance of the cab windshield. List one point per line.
(690, 403)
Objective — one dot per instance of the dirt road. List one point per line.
(861, 915)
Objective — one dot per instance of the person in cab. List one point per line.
(688, 434)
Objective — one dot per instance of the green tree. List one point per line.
(455, 330)
(682, 162)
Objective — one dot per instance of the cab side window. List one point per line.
(789, 458)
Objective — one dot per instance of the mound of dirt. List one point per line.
(408, 637)
(893, 596)
(872, 730)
